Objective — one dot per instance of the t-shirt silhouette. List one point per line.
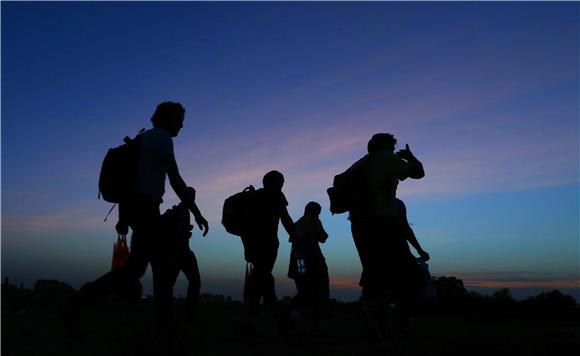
(309, 232)
(267, 209)
(383, 170)
(155, 147)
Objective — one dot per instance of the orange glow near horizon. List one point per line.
(344, 282)
(547, 284)
(470, 283)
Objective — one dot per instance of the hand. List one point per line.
(424, 255)
(202, 223)
(122, 228)
(190, 194)
(406, 153)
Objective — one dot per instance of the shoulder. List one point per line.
(158, 138)
(156, 134)
(387, 157)
(161, 135)
(300, 222)
(390, 162)
(259, 196)
(360, 162)
(282, 199)
(258, 193)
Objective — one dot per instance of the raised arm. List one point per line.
(416, 170)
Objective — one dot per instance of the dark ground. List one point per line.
(125, 329)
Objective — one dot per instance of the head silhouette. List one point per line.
(273, 181)
(312, 209)
(169, 117)
(381, 142)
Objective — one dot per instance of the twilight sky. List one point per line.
(486, 94)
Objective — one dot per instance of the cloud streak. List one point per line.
(487, 151)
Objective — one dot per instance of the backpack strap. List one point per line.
(109, 213)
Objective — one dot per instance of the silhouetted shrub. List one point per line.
(14, 298)
(51, 292)
(449, 287)
(503, 295)
(212, 298)
(552, 304)
(453, 297)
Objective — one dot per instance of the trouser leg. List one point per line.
(190, 269)
(267, 284)
(260, 282)
(164, 270)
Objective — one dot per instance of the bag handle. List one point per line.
(249, 272)
(122, 239)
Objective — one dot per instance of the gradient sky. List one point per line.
(486, 94)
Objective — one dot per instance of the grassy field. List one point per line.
(126, 329)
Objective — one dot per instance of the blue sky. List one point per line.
(486, 94)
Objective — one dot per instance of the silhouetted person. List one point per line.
(177, 227)
(408, 291)
(376, 226)
(140, 211)
(261, 242)
(307, 264)
(404, 279)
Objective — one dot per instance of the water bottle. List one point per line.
(429, 291)
(300, 263)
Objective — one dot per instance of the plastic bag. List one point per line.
(120, 252)
(429, 291)
(247, 280)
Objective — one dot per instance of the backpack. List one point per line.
(119, 171)
(349, 190)
(176, 226)
(236, 211)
